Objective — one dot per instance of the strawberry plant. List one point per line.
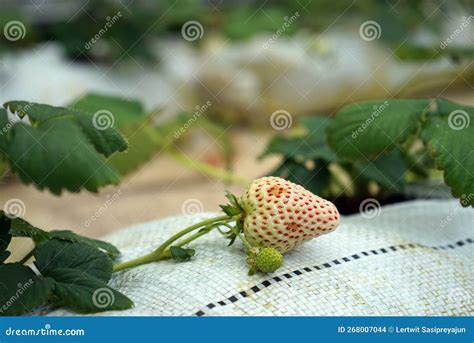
(71, 149)
(70, 270)
(379, 148)
(272, 217)
(67, 149)
(56, 148)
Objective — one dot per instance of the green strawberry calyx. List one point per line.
(233, 208)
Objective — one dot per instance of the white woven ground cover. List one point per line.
(414, 258)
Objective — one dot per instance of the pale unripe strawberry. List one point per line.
(282, 215)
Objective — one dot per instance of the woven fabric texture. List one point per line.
(414, 258)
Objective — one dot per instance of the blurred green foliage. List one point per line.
(388, 143)
(142, 21)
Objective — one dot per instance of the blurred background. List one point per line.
(207, 77)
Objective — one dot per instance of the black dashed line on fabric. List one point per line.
(255, 289)
(265, 284)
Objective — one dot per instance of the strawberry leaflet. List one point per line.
(60, 149)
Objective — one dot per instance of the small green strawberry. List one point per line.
(265, 260)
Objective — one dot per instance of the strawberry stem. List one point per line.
(163, 252)
(246, 243)
(187, 230)
(208, 169)
(195, 236)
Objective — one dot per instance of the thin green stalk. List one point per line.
(187, 230)
(193, 237)
(136, 262)
(207, 169)
(201, 167)
(162, 252)
(246, 244)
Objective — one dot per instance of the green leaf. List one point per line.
(61, 149)
(106, 140)
(181, 254)
(85, 293)
(446, 107)
(450, 139)
(315, 179)
(21, 228)
(306, 156)
(81, 257)
(309, 146)
(21, 290)
(5, 236)
(125, 112)
(365, 130)
(131, 120)
(388, 171)
(80, 273)
(70, 236)
(142, 148)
